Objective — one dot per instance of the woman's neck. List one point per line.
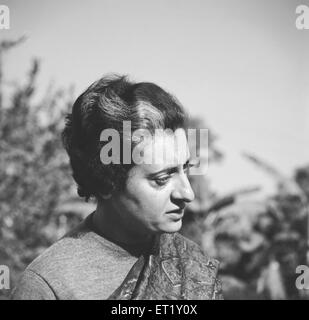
(108, 223)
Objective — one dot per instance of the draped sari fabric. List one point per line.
(174, 269)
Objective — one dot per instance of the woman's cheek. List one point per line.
(161, 200)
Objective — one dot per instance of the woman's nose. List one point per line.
(183, 190)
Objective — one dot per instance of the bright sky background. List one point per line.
(240, 64)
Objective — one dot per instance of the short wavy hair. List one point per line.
(105, 105)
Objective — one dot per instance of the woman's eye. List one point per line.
(161, 181)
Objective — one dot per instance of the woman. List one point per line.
(129, 247)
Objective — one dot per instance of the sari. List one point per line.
(174, 269)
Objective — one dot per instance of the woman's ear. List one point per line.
(108, 192)
(106, 196)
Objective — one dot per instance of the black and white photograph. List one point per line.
(154, 150)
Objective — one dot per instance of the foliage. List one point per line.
(260, 244)
(34, 173)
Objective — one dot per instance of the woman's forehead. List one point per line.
(165, 150)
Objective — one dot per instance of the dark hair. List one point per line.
(105, 105)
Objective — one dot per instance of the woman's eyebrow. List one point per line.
(168, 170)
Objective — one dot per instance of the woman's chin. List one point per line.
(173, 226)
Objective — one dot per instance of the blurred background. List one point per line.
(239, 67)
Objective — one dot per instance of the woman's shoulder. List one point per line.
(79, 257)
(74, 250)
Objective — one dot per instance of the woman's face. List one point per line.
(155, 195)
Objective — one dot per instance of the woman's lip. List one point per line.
(175, 216)
(179, 211)
(178, 214)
